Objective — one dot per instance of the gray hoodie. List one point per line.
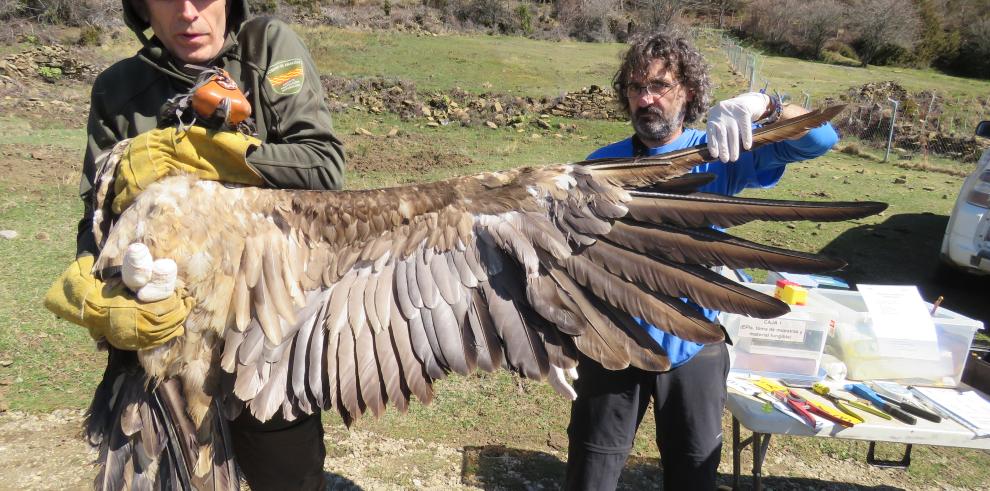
(270, 64)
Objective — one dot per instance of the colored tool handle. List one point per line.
(921, 413)
(875, 399)
(899, 415)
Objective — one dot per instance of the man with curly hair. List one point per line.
(663, 83)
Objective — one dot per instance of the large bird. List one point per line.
(353, 300)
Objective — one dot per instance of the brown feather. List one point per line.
(242, 303)
(265, 312)
(447, 283)
(388, 369)
(667, 313)
(423, 347)
(276, 289)
(544, 297)
(412, 369)
(426, 321)
(703, 286)
(370, 311)
(451, 339)
(710, 247)
(383, 295)
(705, 210)
(424, 279)
(317, 378)
(356, 315)
(603, 342)
(523, 348)
(464, 271)
(251, 260)
(369, 382)
(347, 379)
(402, 293)
(488, 346)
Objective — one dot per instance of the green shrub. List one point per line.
(306, 5)
(387, 8)
(525, 18)
(492, 14)
(90, 36)
(31, 39)
(262, 6)
(842, 48)
(51, 74)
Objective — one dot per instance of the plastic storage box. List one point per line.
(789, 346)
(855, 344)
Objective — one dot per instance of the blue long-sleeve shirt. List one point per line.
(761, 168)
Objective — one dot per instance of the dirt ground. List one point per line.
(46, 452)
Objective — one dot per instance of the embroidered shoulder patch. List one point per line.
(286, 76)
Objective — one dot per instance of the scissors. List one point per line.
(826, 412)
(793, 402)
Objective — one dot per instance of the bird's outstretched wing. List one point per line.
(354, 300)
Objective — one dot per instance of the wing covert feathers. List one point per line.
(357, 300)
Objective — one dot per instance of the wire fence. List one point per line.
(883, 115)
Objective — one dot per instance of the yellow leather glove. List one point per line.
(110, 311)
(209, 155)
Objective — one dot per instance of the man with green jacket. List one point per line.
(295, 148)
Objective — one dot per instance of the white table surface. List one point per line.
(751, 414)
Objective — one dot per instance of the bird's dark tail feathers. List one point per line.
(145, 440)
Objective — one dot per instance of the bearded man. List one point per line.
(295, 148)
(663, 83)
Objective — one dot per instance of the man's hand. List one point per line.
(210, 155)
(111, 312)
(731, 121)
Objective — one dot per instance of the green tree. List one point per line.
(936, 42)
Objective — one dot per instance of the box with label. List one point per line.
(856, 345)
(789, 346)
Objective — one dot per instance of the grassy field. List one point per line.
(46, 364)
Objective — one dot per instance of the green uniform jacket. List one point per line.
(270, 64)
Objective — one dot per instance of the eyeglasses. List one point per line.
(656, 89)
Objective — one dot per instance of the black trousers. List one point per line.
(687, 404)
(279, 454)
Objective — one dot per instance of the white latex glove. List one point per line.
(731, 121)
(152, 280)
(558, 380)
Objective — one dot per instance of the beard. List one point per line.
(650, 123)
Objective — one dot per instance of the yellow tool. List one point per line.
(769, 385)
(804, 406)
(840, 417)
(846, 404)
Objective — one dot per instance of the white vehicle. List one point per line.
(966, 245)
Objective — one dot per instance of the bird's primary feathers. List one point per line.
(353, 300)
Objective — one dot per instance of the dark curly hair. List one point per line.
(688, 66)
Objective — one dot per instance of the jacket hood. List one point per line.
(239, 12)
